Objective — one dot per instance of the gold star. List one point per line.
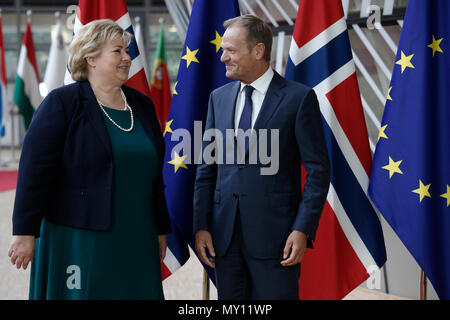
(217, 41)
(381, 133)
(405, 61)
(447, 196)
(190, 56)
(168, 128)
(435, 45)
(175, 88)
(393, 167)
(178, 161)
(389, 94)
(423, 190)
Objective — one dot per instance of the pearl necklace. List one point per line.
(126, 107)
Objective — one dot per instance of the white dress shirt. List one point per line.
(261, 85)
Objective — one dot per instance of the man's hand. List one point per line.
(296, 245)
(203, 239)
(21, 250)
(162, 242)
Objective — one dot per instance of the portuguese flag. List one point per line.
(26, 94)
(160, 84)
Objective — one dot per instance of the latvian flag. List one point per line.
(116, 10)
(350, 242)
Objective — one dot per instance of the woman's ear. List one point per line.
(91, 61)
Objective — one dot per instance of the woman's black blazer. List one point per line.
(66, 167)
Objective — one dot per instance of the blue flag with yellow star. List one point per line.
(411, 168)
(200, 72)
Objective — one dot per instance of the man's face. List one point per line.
(238, 58)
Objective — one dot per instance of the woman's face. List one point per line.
(113, 63)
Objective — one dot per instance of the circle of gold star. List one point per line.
(190, 56)
(447, 195)
(217, 41)
(393, 167)
(405, 61)
(422, 191)
(435, 45)
(177, 162)
(168, 128)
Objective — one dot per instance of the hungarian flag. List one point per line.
(160, 84)
(26, 95)
(350, 243)
(4, 108)
(88, 10)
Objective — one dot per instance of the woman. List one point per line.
(90, 190)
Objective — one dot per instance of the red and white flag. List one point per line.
(349, 242)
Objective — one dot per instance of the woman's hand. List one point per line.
(21, 250)
(162, 239)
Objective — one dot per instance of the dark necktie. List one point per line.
(245, 122)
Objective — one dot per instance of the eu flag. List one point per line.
(411, 168)
(200, 72)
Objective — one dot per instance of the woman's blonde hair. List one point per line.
(89, 42)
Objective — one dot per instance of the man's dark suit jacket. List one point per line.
(66, 166)
(270, 206)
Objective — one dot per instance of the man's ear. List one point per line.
(260, 50)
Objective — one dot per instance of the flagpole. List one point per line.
(205, 289)
(423, 285)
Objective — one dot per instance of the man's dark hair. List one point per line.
(257, 31)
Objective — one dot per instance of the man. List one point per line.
(254, 228)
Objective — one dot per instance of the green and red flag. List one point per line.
(160, 84)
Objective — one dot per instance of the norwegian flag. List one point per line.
(350, 242)
(88, 10)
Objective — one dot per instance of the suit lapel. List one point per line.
(273, 98)
(90, 105)
(230, 106)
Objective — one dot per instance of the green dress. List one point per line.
(123, 262)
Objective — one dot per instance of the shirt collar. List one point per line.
(262, 83)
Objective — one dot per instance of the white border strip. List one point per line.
(349, 230)
(298, 55)
(171, 261)
(328, 113)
